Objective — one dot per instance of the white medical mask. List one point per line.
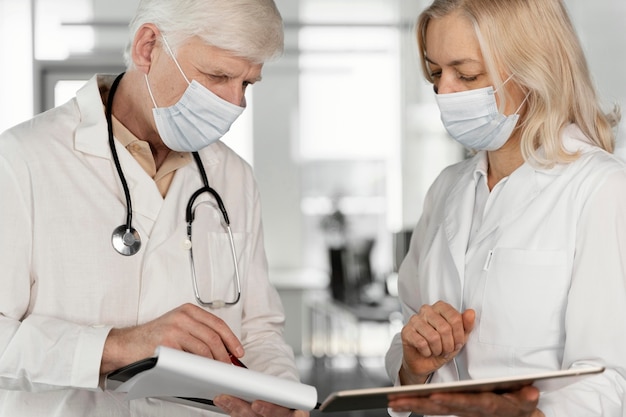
(472, 118)
(197, 120)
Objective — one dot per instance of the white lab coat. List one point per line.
(63, 286)
(546, 274)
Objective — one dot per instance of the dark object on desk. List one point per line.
(350, 270)
(338, 277)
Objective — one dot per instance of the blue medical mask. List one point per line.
(472, 118)
(197, 120)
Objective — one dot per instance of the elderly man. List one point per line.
(96, 232)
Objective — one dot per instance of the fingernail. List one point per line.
(458, 347)
(239, 352)
(258, 408)
(223, 403)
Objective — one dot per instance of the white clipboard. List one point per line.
(179, 376)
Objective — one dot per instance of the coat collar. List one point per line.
(526, 183)
(91, 139)
(521, 189)
(91, 134)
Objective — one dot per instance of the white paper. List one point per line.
(181, 374)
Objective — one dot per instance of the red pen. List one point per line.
(236, 361)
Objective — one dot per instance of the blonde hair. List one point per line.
(252, 29)
(534, 41)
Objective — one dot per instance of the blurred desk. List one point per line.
(298, 288)
(358, 330)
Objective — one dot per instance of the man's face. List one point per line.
(225, 74)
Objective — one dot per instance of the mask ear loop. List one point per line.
(521, 122)
(150, 91)
(171, 53)
(523, 101)
(167, 45)
(495, 90)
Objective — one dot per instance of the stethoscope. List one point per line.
(127, 241)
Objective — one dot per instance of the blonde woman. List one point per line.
(517, 264)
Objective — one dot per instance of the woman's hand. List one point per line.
(236, 407)
(431, 338)
(522, 403)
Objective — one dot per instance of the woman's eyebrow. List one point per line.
(455, 62)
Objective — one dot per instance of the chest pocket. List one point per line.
(213, 260)
(524, 298)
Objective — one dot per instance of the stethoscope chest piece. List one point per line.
(126, 240)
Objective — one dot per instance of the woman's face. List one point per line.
(455, 61)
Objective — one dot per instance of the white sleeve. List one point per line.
(596, 308)
(36, 353)
(263, 316)
(406, 285)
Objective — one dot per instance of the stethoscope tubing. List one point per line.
(116, 159)
(126, 240)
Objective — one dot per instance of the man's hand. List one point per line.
(431, 338)
(522, 403)
(235, 407)
(188, 328)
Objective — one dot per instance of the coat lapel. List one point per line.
(458, 216)
(92, 140)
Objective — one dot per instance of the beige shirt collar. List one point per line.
(140, 150)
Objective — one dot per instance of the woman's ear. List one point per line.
(143, 46)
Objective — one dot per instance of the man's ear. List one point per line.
(143, 46)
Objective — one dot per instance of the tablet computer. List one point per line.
(370, 398)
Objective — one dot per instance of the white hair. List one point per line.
(251, 29)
